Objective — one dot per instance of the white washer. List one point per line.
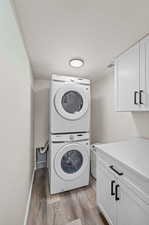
(69, 104)
(68, 161)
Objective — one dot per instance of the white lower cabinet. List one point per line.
(130, 208)
(117, 199)
(105, 195)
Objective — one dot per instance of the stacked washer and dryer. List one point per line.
(69, 139)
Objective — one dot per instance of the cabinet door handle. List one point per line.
(112, 187)
(119, 173)
(116, 192)
(140, 97)
(135, 97)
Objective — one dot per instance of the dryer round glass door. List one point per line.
(71, 101)
(71, 161)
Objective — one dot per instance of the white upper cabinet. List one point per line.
(132, 78)
(144, 74)
(127, 79)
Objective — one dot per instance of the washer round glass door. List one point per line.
(71, 161)
(71, 102)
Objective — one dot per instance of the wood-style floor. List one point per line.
(76, 207)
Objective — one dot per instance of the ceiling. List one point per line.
(96, 30)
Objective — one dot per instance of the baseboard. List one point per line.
(29, 199)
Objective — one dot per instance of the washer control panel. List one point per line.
(72, 137)
(69, 137)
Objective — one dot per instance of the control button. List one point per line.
(71, 137)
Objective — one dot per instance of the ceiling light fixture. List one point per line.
(76, 63)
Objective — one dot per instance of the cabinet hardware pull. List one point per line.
(112, 187)
(135, 97)
(140, 97)
(116, 192)
(119, 173)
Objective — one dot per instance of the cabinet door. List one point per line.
(127, 80)
(105, 200)
(144, 74)
(130, 208)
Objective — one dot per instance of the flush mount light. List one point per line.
(76, 63)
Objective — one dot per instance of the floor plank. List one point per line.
(76, 207)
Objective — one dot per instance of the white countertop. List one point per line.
(134, 153)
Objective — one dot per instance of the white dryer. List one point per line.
(69, 104)
(68, 161)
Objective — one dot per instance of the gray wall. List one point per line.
(108, 125)
(16, 161)
(41, 125)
